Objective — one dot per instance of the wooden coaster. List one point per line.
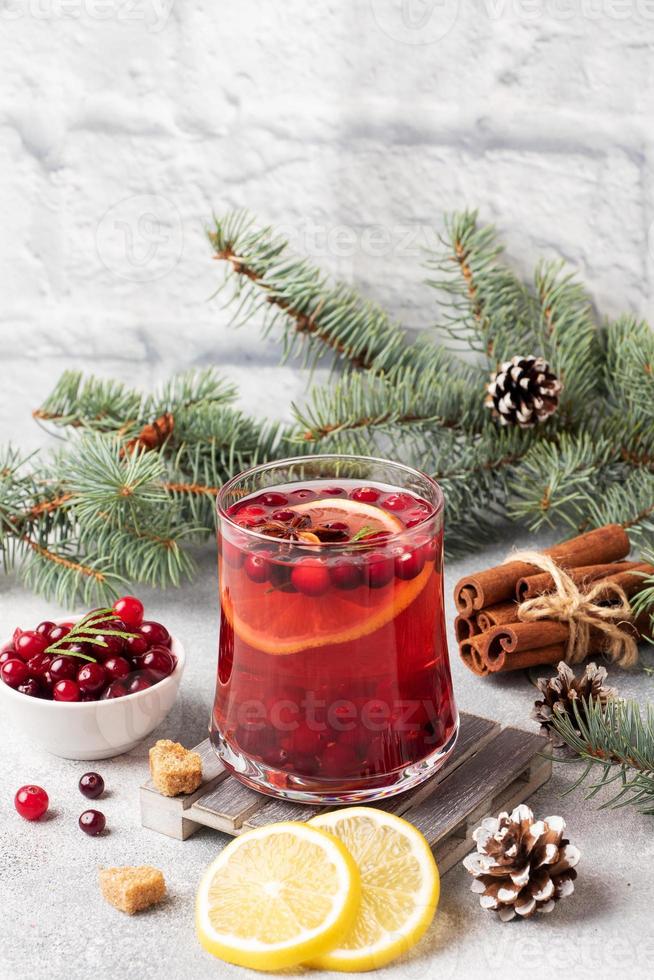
(491, 769)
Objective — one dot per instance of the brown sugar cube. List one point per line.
(174, 769)
(132, 889)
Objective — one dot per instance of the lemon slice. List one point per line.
(355, 513)
(399, 887)
(277, 896)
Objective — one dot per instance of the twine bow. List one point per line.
(582, 612)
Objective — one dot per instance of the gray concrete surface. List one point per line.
(56, 925)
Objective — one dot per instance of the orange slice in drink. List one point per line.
(281, 622)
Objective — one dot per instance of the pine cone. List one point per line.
(523, 392)
(521, 865)
(560, 694)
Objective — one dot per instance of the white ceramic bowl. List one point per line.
(93, 729)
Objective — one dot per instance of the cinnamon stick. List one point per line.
(632, 579)
(530, 586)
(504, 612)
(495, 585)
(465, 627)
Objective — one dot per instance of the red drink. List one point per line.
(333, 674)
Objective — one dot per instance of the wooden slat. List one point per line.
(476, 784)
(227, 806)
(212, 772)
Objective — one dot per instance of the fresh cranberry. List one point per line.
(279, 572)
(31, 802)
(8, 655)
(283, 516)
(110, 646)
(14, 672)
(8, 648)
(91, 785)
(346, 574)
(336, 526)
(138, 683)
(130, 610)
(274, 499)
(63, 668)
(408, 563)
(365, 495)
(256, 567)
(66, 691)
(397, 501)
(17, 632)
(332, 492)
(338, 760)
(29, 643)
(155, 634)
(303, 494)
(31, 687)
(158, 661)
(116, 667)
(45, 628)
(115, 690)
(39, 664)
(378, 536)
(58, 633)
(91, 678)
(310, 576)
(92, 822)
(135, 645)
(379, 569)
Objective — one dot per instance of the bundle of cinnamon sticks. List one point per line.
(491, 637)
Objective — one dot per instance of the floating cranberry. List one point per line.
(14, 672)
(116, 667)
(310, 576)
(274, 499)
(63, 668)
(304, 740)
(29, 643)
(115, 690)
(408, 563)
(66, 690)
(338, 760)
(346, 574)
(135, 645)
(379, 570)
(256, 567)
(31, 802)
(91, 785)
(45, 628)
(58, 633)
(158, 661)
(365, 495)
(31, 687)
(303, 494)
(91, 678)
(332, 492)
(39, 664)
(130, 610)
(155, 634)
(138, 683)
(92, 822)
(279, 572)
(397, 501)
(283, 516)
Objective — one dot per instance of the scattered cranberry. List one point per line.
(346, 574)
(31, 687)
(29, 643)
(155, 634)
(58, 633)
(116, 668)
(130, 610)
(92, 822)
(139, 683)
(14, 672)
(256, 567)
(91, 678)
(274, 499)
(91, 785)
(397, 501)
(66, 690)
(365, 495)
(63, 668)
(45, 628)
(115, 690)
(408, 564)
(283, 516)
(158, 661)
(379, 570)
(134, 645)
(31, 802)
(310, 576)
(303, 494)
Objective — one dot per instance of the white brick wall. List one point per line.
(353, 125)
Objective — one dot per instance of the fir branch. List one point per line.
(629, 366)
(617, 743)
(90, 403)
(314, 315)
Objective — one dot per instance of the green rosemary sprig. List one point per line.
(88, 629)
(362, 533)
